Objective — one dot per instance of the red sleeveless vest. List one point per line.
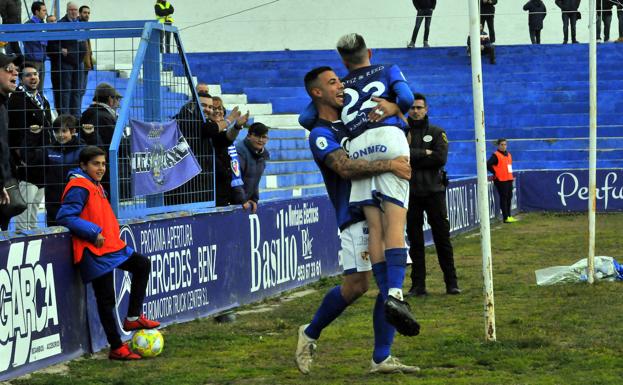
(97, 210)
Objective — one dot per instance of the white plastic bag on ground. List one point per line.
(605, 269)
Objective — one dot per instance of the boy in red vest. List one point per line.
(98, 249)
(501, 166)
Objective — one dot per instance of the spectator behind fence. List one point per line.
(29, 110)
(219, 109)
(9, 68)
(164, 11)
(487, 14)
(85, 15)
(98, 250)
(429, 154)
(53, 51)
(35, 51)
(202, 136)
(486, 48)
(202, 88)
(501, 166)
(55, 160)
(425, 10)
(570, 16)
(536, 13)
(604, 14)
(11, 12)
(71, 58)
(252, 156)
(102, 113)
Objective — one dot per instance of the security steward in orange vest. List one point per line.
(428, 156)
(98, 249)
(501, 165)
(164, 10)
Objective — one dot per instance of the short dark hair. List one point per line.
(36, 6)
(83, 7)
(204, 95)
(26, 65)
(418, 96)
(352, 48)
(90, 152)
(312, 76)
(258, 129)
(500, 140)
(65, 121)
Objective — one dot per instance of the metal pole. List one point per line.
(481, 158)
(592, 142)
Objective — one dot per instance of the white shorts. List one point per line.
(381, 143)
(354, 254)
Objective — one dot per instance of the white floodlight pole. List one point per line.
(592, 142)
(481, 157)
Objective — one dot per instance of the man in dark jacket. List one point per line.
(252, 155)
(29, 110)
(102, 113)
(207, 137)
(487, 12)
(604, 14)
(71, 57)
(425, 10)
(570, 16)
(11, 13)
(429, 153)
(35, 51)
(537, 12)
(9, 68)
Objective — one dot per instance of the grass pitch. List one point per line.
(567, 334)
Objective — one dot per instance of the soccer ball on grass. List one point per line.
(147, 343)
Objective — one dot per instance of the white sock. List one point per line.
(396, 293)
(131, 318)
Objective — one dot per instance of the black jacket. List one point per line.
(424, 4)
(537, 12)
(487, 7)
(26, 110)
(76, 49)
(568, 5)
(428, 174)
(252, 165)
(5, 169)
(103, 120)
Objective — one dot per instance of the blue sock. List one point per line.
(383, 332)
(396, 267)
(380, 275)
(331, 307)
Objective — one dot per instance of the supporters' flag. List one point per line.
(161, 158)
(236, 172)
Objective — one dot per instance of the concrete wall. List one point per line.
(305, 24)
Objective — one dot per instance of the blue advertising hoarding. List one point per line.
(43, 309)
(567, 190)
(205, 263)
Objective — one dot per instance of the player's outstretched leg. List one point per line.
(305, 350)
(397, 311)
(382, 360)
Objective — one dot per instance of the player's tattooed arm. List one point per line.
(347, 168)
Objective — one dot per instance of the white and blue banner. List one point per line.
(567, 190)
(161, 158)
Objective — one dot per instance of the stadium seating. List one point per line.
(536, 96)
